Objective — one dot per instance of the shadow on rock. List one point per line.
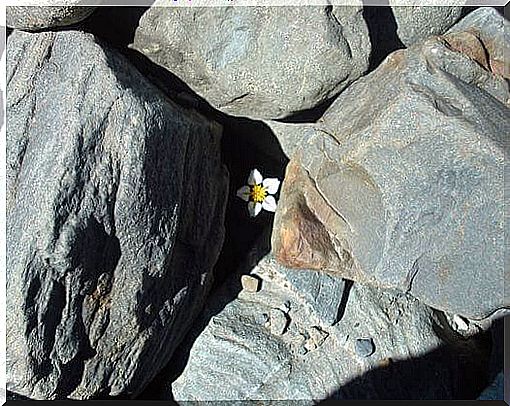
(420, 378)
(382, 28)
(115, 25)
(246, 144)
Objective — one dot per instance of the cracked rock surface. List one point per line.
(105, 268)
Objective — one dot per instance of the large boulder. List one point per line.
(401, 183)
(259, 62)
(35, 18)
(115, 210)
(282, 343)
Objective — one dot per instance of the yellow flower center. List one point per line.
(257, 193)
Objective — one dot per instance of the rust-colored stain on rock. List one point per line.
(304, 242)
(479, 49)
(470, 45)
(300, 239)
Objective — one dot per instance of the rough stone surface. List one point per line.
(105, 270)
(259, 62)
(402, 182)
(291, 135)
(487, 41)
(417, 23)
(320, 294)
(34, 18)
(313, 360)
(278, 321)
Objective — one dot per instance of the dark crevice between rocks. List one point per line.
(427, 377)
(310, 115)
(246, 144)
(343, 302)
(382, 29)
(466, 10)
(115, 25)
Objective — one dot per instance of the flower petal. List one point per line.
(271, 185)
(254, 208)
(244, 193)
(269, 203)
(255, 178)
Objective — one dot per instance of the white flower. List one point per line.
(258, 193)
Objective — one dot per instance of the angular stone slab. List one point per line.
(312, 361)
(402, 183)
(115, 211)
(258, 62)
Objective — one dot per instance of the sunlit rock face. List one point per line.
(258, 62)
(401, 183)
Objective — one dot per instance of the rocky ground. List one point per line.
(135, 270)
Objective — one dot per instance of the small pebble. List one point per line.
(385, 362)
(250, 283)
(364, 347)
(278, 321)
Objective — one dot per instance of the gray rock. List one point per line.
(322, 293)
(402, 183)
(34, 18)
(116, 200)
(417, 23)
(285, 307)
(263, 319)
(290, 135)
(364, 347)
(259, 62)
(279, 321)
(491, 32)
(309, 362)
